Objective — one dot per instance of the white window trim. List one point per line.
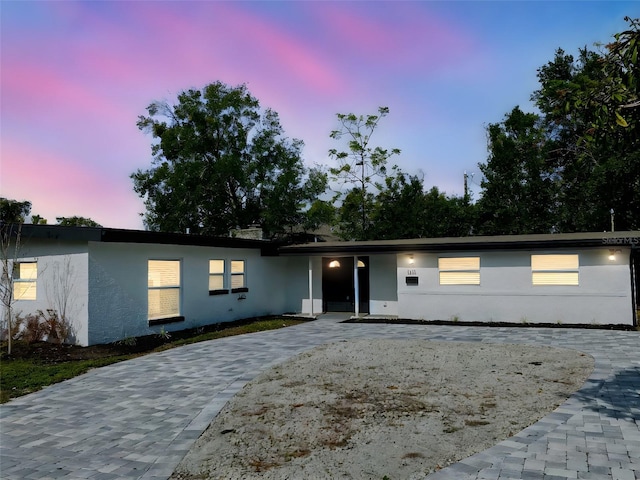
(177, 287)
(549, 276)
(243, 288)
(462, 275)
(223, 275)
(17, 281)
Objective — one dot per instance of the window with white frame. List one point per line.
(238, 276)
(459, 270)
(555, 269)
(25, 277)
(164, 289)
(217, 277)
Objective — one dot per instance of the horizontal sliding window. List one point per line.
(25, 276)
(163, 289)
(459, 270)
(555, 269)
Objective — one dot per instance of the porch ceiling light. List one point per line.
(334, 264)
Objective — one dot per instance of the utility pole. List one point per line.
(612, 215)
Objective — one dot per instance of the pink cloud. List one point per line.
(31, 91)
(401, 33)
(218, 37)
(59, 187)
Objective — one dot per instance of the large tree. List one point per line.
(221, 162)
(519, 185)
(567, 168)
(404, 210)
(362, 168)
(591, 111)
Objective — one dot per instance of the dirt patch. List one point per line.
(374, 408)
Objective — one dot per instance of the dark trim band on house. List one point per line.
(165, 321)
(117, 235)
(239, 290)
(452, 244)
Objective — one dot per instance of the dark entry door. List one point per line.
(338, 284)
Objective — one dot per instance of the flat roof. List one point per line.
(513, 242)
(555, 240)
(113, 235)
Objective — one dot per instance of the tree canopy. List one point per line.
(13, 211)
(361, 166)
(76, 221)
(221, 162)
(567, 168)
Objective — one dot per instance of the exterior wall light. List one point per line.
(334, 264)
(411, 259)
(612, 254)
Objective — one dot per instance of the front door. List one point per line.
(338, 286)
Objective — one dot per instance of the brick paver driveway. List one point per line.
(137, 419)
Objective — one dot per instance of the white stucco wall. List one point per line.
(62, 278)
(506, 293)
(118, 287)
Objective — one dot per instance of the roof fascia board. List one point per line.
(506, 242)
(113, 235)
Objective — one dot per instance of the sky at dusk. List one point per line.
(75, 76)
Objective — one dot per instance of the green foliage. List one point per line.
(13, 211)
(23, 376)
(519, 185)
(361, 166)
(220, 162)
(404, 210)
(38, 220)
(565, 169)
(76, 222)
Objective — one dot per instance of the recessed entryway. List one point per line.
(338, 285)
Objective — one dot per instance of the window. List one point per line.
(459, 270)
(164, 289)
(238, 276)
(25, 275)
(217, 280)
(554, 269)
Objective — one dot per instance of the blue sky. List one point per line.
(76, 75)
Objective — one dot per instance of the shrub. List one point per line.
(39, 326)
(29, 328)
(56, 327)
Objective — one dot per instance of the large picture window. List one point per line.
(238, 276)
(217, 277)
(459, 270)
(25, 276)
(164, 289)
(555, 269)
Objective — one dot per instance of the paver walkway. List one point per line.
(137, 419)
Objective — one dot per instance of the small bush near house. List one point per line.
(35, 365)
(29, 329)
(39, 326)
